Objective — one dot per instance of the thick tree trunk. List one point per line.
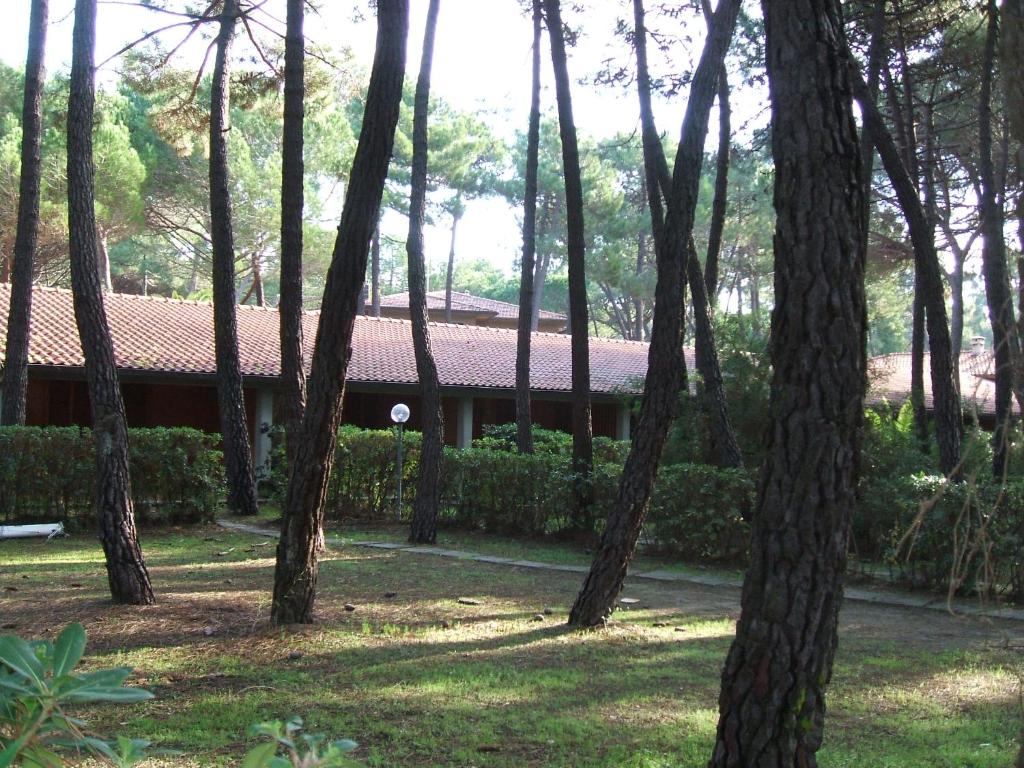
(672, 227)
(772, 701)
(582, 429)
(947, 411)
(993, 256)
(126, 570)
(524, 422)
(297, 567)
(450, 274)
(428, 486)
(19, 312)
(230, 401)
(293, 375)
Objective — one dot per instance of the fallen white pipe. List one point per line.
(49, 530)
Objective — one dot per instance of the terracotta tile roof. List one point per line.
(464, 302)
(889, 379)
(175, 336)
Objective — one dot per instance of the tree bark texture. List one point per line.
(993, 257)
(947, 410)
(772, 701)
(297, 567)
(19, 313)
(524, 421)
(230, 400)
(672, 226)
(126, 569)
(582, 428)
(293, 375)
(428, 485)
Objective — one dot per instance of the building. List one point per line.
(165, 356)
(470, 310)
(889, 381)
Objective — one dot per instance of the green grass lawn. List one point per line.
(419, 679)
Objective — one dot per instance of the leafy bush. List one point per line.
(38, 683)
(48, 472)
(934, 534)
(289, 747)
(697, 512)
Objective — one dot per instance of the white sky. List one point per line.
(481, 61)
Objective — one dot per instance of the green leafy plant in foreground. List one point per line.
(289, 747)
(37, 682)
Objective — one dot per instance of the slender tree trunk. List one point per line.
(193, 278)
(524, 422)
(103, 262)
(234, 428)
(259, 297)
(126, 570)
(19, 312)
(428, 486)
(297, 566)
(672, 226)
(375, 271)
(721, 198)
(540, 280)
(772, 701)
(293, 375)
(450, 275)
(993, 256)
(582, 430)
(947, 411)
(917, 345)
(641, 265)
(726, 451)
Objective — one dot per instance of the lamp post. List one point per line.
(399, 415)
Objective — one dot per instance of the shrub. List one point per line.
(48, 472)
(697, 512)
(38, 683)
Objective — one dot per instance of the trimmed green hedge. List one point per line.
(46, 474)
(696, 510)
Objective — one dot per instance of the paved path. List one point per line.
(877, 597)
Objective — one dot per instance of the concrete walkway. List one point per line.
(876, 597)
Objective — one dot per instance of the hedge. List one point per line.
(696, 510)
(927, 531)
(47, 474)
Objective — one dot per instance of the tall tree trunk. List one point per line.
(103, 262)
(726, 451)
(126, 570)
(293, 375)
(721, 198)
(375, 271)
(917, 344)
(540, 279)
(772, 701)
(297, 566)
(450, 274)
(672, 226)
(428, 485)
(234, 428)
(524, 422)
(993, 256)
(258, 295)
(947, 411)
(19, 312)
(641, 265)
(582, 429)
